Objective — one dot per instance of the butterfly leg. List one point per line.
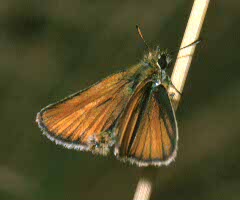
(173, 86)
(168, 82)
(171, 95)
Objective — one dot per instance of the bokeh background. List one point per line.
(50, 49)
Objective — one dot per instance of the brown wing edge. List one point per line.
(58, 139)
(156, 162)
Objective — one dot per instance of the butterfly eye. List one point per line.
(162, 61)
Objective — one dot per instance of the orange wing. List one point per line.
(84, 120)
(147, 128)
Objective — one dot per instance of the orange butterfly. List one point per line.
(130, 111)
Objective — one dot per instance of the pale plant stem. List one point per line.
(184, 57)
(143, 190)
(179, 75)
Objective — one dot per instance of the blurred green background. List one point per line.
(50, 49)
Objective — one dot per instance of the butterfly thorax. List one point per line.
(158, 60)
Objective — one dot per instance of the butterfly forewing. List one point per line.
(147, 129)
(73, 121)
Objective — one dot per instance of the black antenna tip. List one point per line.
(137, 26)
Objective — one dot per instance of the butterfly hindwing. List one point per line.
(147, 129)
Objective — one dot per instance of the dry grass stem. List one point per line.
(179, 75)
(184, 57)
(143, 190)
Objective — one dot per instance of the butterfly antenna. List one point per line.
(193, 43)
(141, 35)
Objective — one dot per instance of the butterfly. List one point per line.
(129, 112)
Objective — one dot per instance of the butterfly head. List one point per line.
(163, 57)
(158, 58)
